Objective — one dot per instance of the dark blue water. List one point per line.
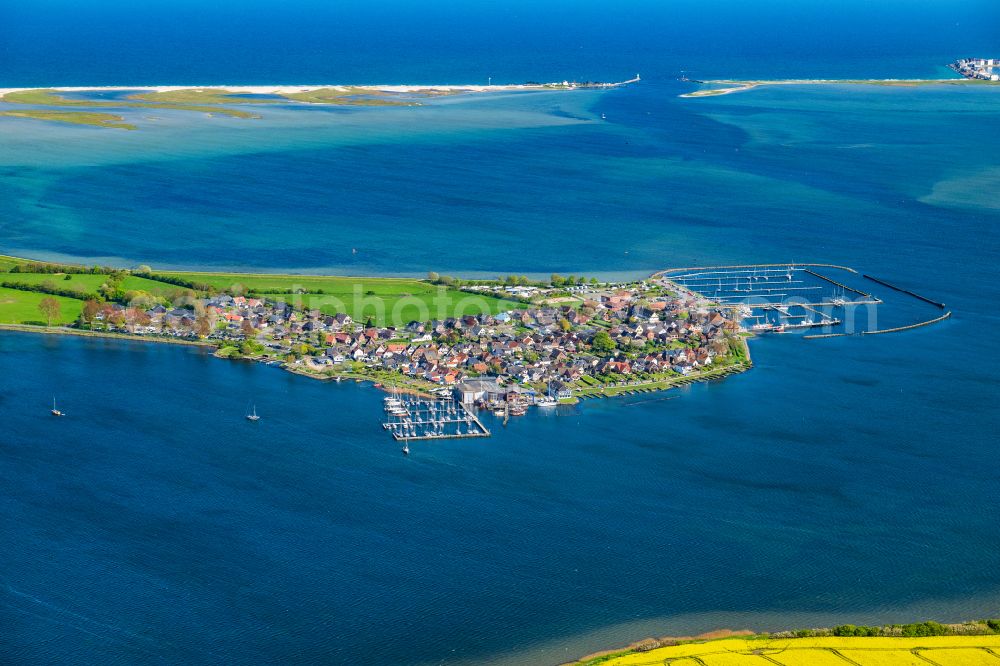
(848, 480)
(113, 42)
(842, 480)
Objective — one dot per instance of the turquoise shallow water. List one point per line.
(805, 173)
(850, 479)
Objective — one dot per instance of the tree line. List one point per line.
(44, 267)
(48, 288)
(555, 280)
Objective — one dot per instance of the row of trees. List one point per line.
(445, 280)
(44, 267)
(555, 280)
(112, 290)
(46, 287)
(177, 281)
(919, 629)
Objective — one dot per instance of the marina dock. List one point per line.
(414, 419)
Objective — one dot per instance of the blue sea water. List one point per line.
(850, 479)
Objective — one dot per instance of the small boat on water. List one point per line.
(252, 415)
(767, 327)
(55, 411)
(406, 449)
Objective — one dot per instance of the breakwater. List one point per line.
(898, 329)
(838, 284)
(825, 335)
(665, 271)
(905, 291)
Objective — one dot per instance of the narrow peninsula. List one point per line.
(82, 105)
(973, 70)
(503, 344)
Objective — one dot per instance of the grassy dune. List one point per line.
(199, 96)
(48, 97)
(832, 650)
(208, 100)
(349, 96)
(75, 117)
(202, 100)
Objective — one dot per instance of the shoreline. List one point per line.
(749, 84)
(401, 384)
(704, 376)
(52, 104)
(305, 272)
(343, 353)
(81, 332)
(282, 89)
(641, 644)
(356, 378)
(983, 633)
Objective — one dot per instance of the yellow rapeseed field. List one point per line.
(881, 657)
(963, 657)
(808, 657)
(824, 651)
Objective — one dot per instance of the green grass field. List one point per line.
(87, 283)
(393, 301)
(397, 310)
(269, 283)
(7, 263)
(387, 301)
(21, 307)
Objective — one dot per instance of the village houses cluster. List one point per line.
(651, 331)
(985, 69)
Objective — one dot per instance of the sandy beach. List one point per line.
(740, 86)
(287, 89)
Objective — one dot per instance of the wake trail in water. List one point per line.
(64, 611)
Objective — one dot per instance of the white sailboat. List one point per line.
(548, 400)
(252, 415)
(55, 411)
